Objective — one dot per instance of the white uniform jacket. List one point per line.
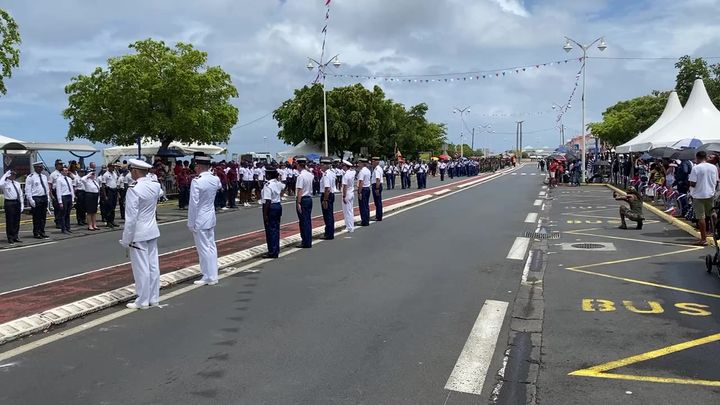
(201, 211)
(140, 205)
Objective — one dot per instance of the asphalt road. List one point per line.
(378, 317)
(640, 309)
(27, 266)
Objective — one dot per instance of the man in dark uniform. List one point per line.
(13, 205)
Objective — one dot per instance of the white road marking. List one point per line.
(542, 194)
(533, 174)
(441, 192)
(523, 174)
(472, 366)
(537, 203)
(531, 217)
(544, 187)
(518, 249)
(513, 174)
(26, 247)
(526, 269)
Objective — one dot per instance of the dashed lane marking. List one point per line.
(471, 368)
(601, 371)
(518, 249)
(531, 217)
(537, 203)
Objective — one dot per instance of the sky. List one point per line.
(264, 45)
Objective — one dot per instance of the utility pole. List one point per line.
(562, 133)
(521, 147)
(472, 142)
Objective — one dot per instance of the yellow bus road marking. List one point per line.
(601, 371)
(647, 283)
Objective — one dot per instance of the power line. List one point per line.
(251, 122)
(646, 58)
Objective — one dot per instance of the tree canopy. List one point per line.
(357, 118)
(9, 51)
(158, 93)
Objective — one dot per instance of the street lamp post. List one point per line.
(462, 111)
(320, 66)
(562, 109)
(482, 128)
(568, 47)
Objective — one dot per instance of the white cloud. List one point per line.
(513, 6)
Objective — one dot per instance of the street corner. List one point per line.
(627, 310)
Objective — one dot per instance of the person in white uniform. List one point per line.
(13, 205)
(37, 191)
(140, 235)
(201, 219)
(348, 195)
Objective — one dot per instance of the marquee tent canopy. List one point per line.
(640, 143)
(699, 119)
(151, 148)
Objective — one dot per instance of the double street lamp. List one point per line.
(462, 112)
(482, 128)
(568, 47)
(561, 127)
(321, 67)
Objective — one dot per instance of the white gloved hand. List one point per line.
(124, 244)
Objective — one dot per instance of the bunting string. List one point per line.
(324, 34)
(564, 108)
(457, 77)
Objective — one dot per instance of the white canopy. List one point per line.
(640, 143)
(150, 148)
(301, 149)
(699, 120)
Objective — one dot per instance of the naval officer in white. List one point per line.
(201, 218)
(140, 235)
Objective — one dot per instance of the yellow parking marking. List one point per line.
(601, 371)
(654, 307)
(581, 232)
(633, 259)
(647, 283)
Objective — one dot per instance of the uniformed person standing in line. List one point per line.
(271, 195)
(303, 206)
(140, 235)
(364, 182)
(348, 196)
(201, 218)
(443, 169)
(377, 188)
(52, 180)
(76, 173)
(122, 189)
(110, 181)
(37, 192)
(14, 205)
(327, 184)
(65, 194)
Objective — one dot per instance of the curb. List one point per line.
(40, 322)
(678, 223)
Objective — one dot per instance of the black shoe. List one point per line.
(623, 226)
(639, 225)
(44, 236)
(37, 237)
(68, 231)
(17, 240)
(11, 242)
(268, 256)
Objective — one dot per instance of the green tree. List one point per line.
(9, 51)
(160, 93)
(624, 120)
(357, 117)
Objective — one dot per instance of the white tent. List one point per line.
(640, 143)
(699, 119)
(311, 151)
(150, 148)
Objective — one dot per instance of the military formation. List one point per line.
(204, 187)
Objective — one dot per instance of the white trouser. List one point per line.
(207, 252)
(146, 271)
(348, 213)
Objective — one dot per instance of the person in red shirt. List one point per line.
(232, 179)
(183, 176)
(553, 173)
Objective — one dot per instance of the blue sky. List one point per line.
(264, 46)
